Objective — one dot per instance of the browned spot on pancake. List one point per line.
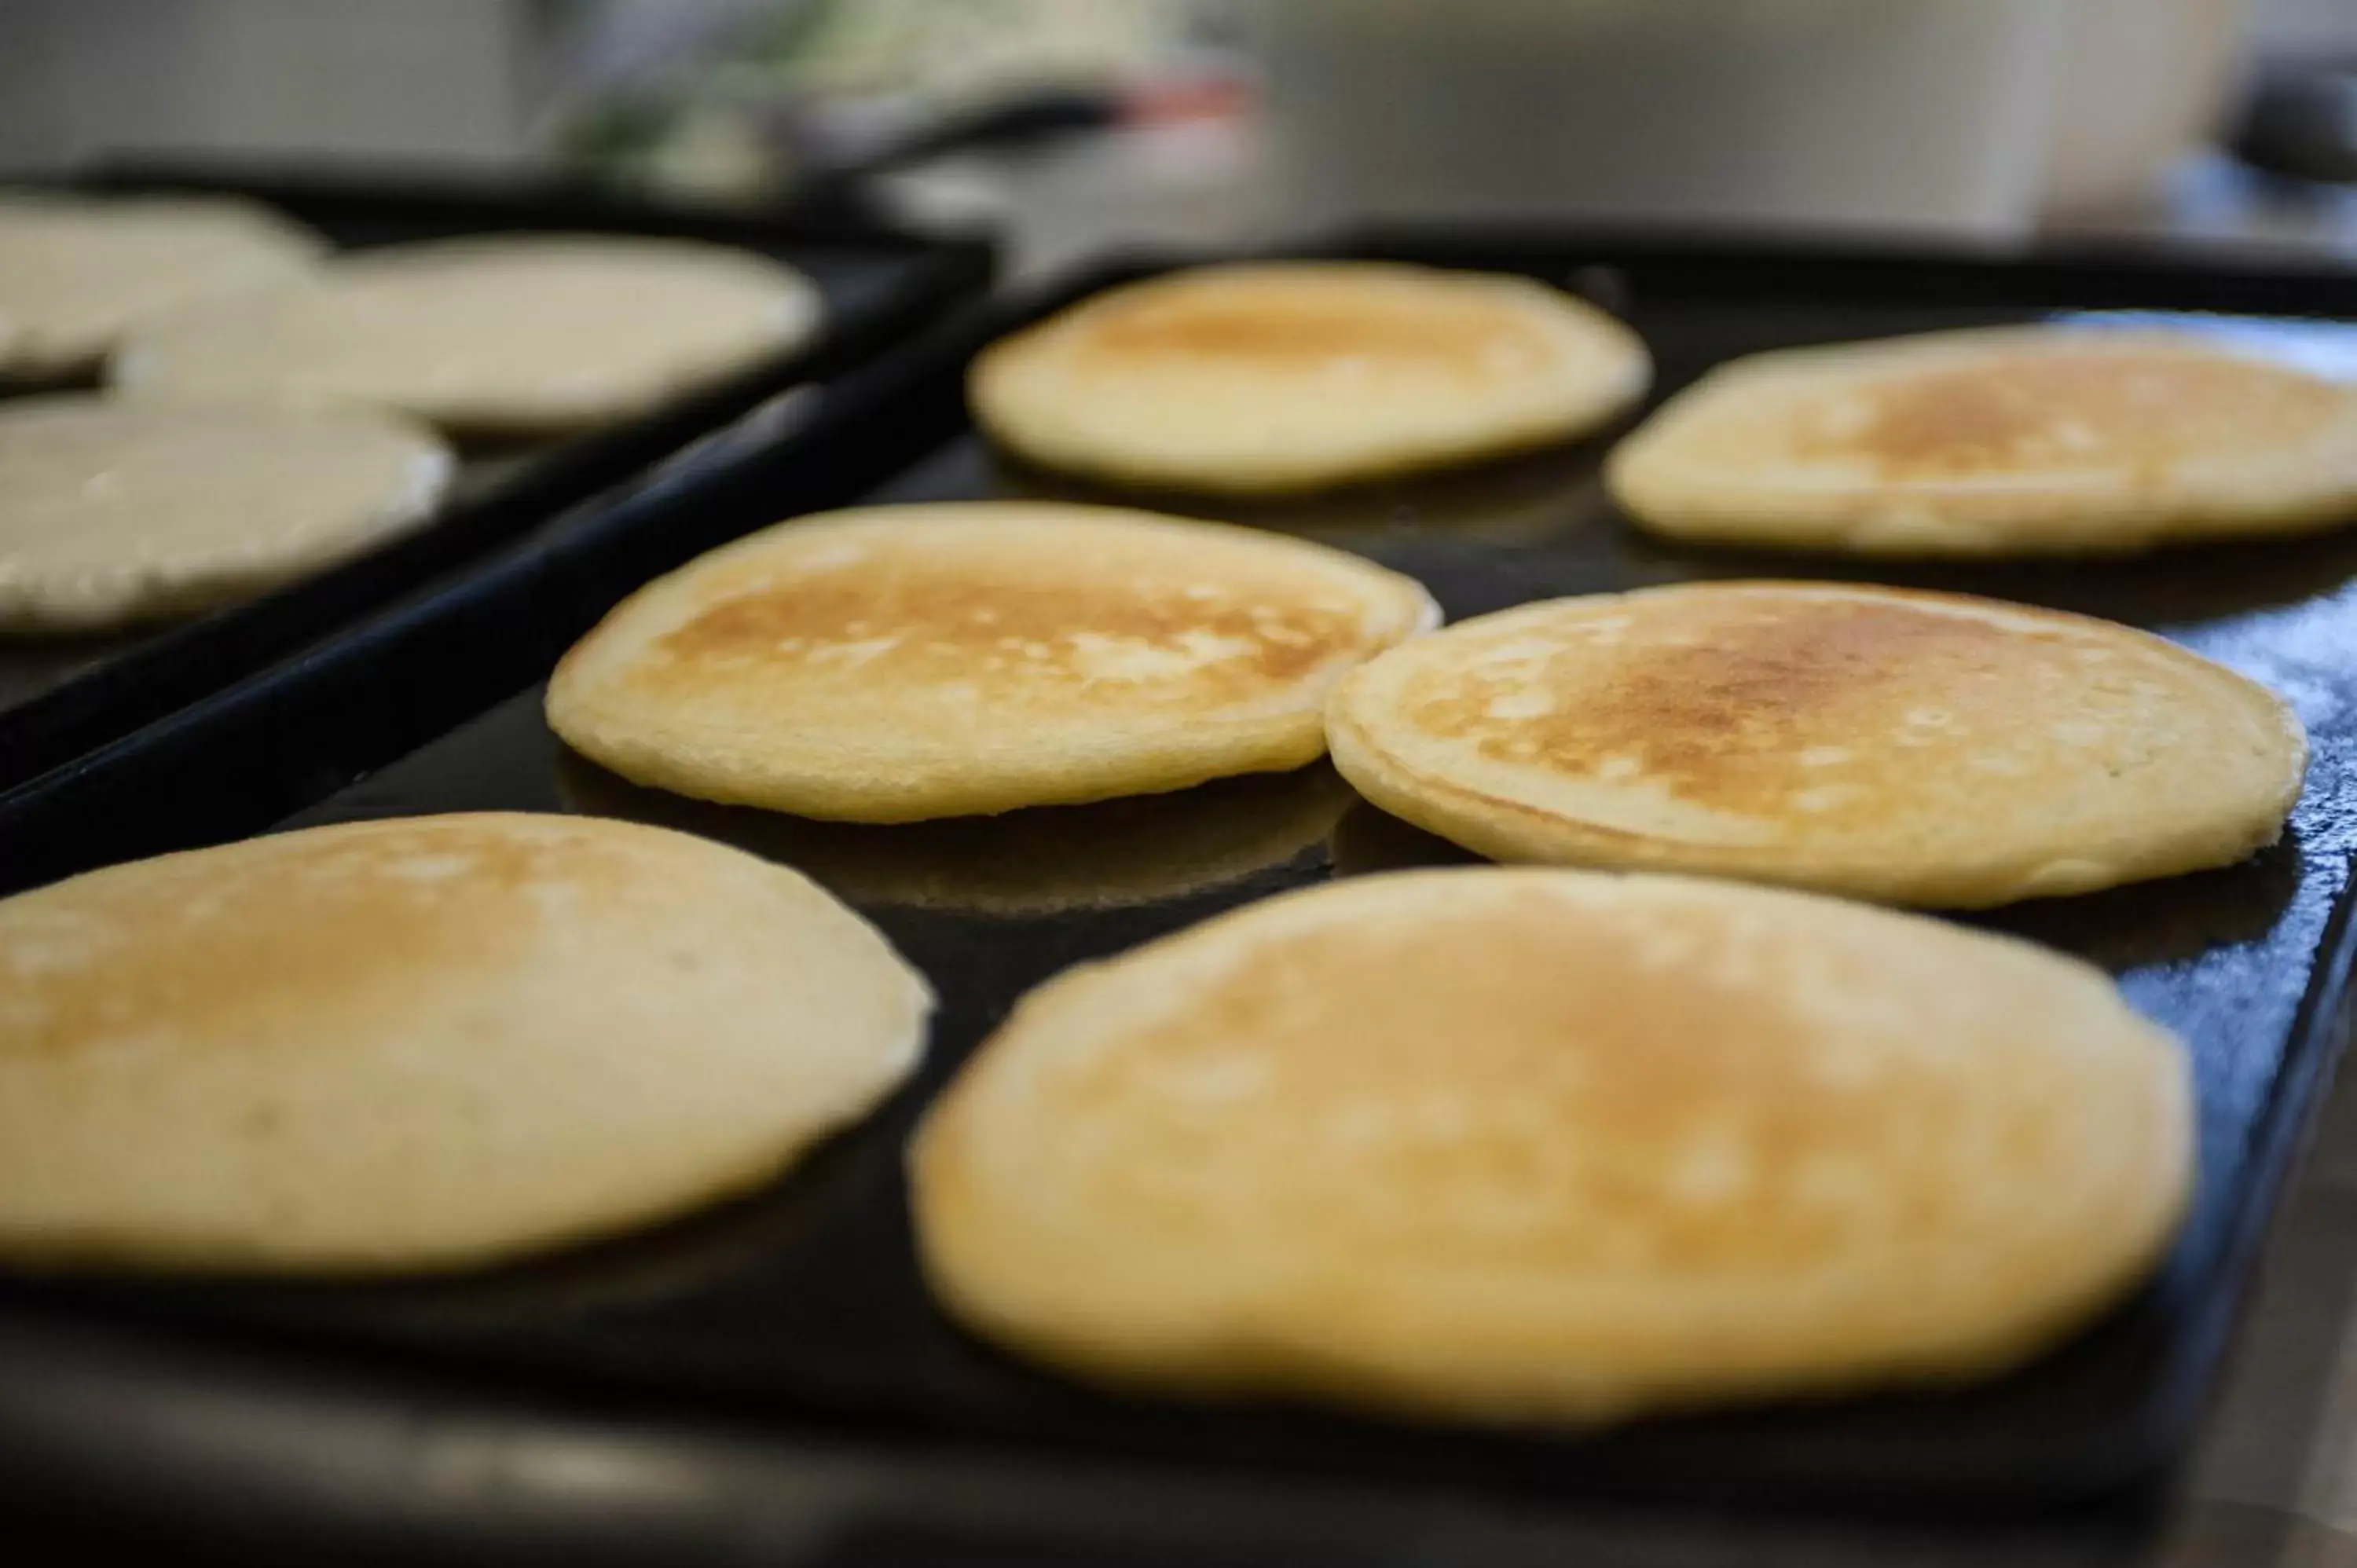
(1772, 699)
(1300, 324)
(314, 930)
(2111, 409)
(1547, 1084)
(923, 625)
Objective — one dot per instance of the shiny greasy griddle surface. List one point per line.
(803, 1301)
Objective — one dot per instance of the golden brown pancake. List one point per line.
(77, 272)
(897, 663)
(1920, 749)
(423, 1043)
(1552, 1146)
(1281, 376)
(1044, 862)
(493, 335)
(2013, 441)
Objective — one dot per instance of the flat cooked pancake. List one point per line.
(76, 272)
(423, 1043)
(1140, 850)
(897, 663)
(1920, 749)
(503, 335)
(110, 514)
(2007, 442)
(1278, 376)
(1550, 1146)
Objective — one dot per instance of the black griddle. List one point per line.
(61, 696)
(796, 1315)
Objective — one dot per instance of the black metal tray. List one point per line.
(61, 696)
(799, 1311)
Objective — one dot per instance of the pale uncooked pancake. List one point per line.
(1274, 376)
(1553, 1146)
(423, 1043)
(112, 513)
(77, 272)
(1922, 749)
(897, 663)
(2003, 442)
(500, 335)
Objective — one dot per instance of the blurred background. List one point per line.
(1073, 124)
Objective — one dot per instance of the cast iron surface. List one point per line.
(61, 696)
(799, 1308)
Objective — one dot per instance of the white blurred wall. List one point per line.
(2306, 24)
(1970, 117)
(2006, 120)
(446, 80)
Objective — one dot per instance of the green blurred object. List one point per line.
(740, 98)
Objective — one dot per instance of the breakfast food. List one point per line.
(1138, 850)
(1283, 376)
(897, 663)
(1919, 748)
(110, 513)
(76, 272)
(1547, 1146)
(2020, 441)
(499, 335)
(423, 1043)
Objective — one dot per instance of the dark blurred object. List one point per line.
(840, 186)
(2302, 121)
(1026, 122)
(1021, 124)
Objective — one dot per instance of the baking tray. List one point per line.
(797, 1313)
(61, 696)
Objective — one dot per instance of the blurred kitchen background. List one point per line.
(1071, 125)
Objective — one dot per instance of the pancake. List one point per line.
(77, 272)
(2004, 441)
(1917, 748)
(1024, 865)
(1281, 376)
(112, 514)
(503, 335)
(423, 1043)
(899, 664)
(1554, 1147)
